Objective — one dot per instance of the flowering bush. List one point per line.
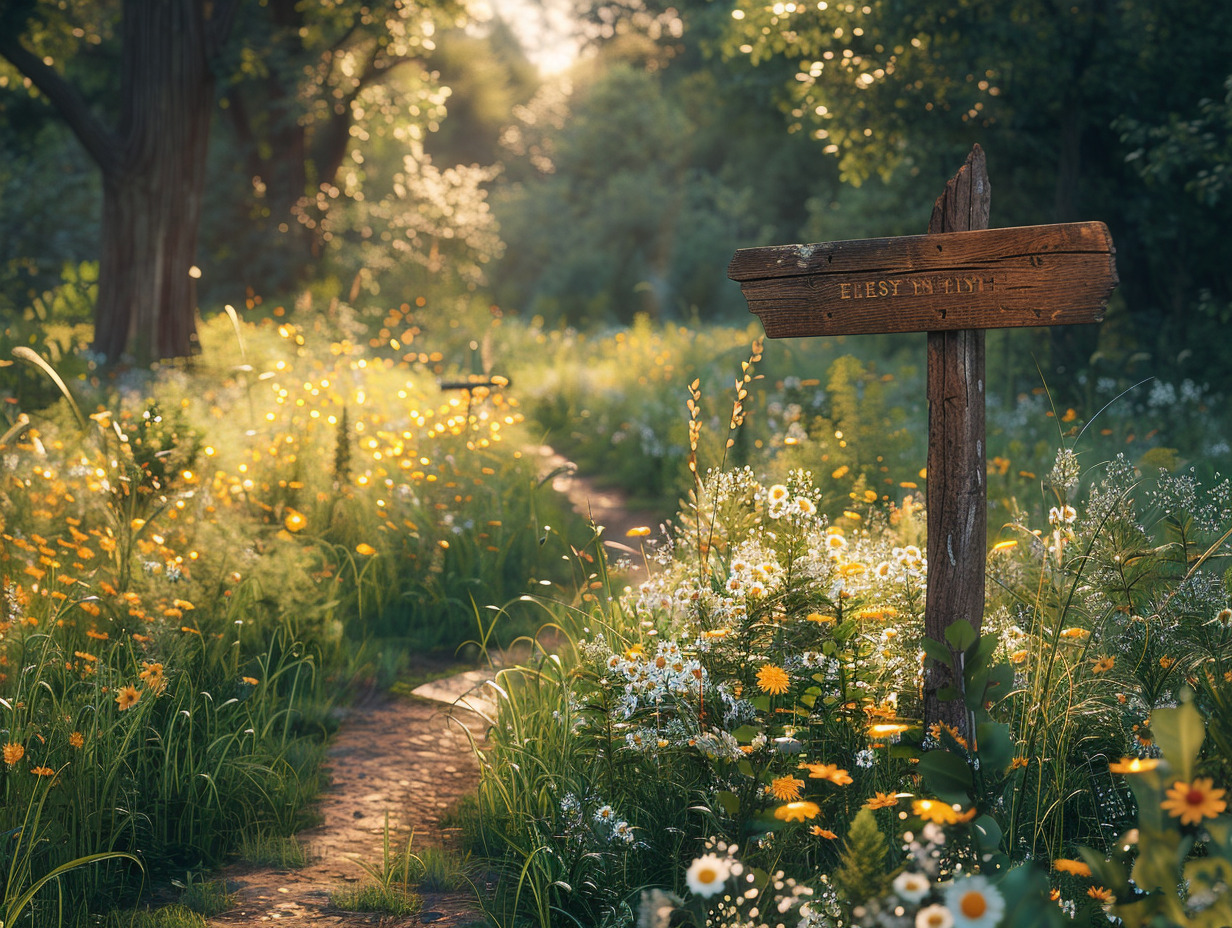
(762, 690)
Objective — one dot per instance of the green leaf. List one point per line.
(1179, 733)
(938, 652)
(1000, 683)
(960, 634)
(947, 776)
(844, 630)
(994, 746)
(978, 659)
(988, 834)
(746, 733)
(729, 802)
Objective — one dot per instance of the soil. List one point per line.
(404, 757)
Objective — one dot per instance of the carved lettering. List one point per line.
(883, 288)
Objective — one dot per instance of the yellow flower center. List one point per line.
(973, 905)
(707, 875)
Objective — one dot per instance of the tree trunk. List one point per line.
(152, 200)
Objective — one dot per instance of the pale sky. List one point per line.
(544, 28)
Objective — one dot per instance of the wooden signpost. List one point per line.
(952, 283)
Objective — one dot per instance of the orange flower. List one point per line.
(797, 811)
(881, 801)
(786, 789)
(773, 680)
(76, 740)
(1066, 865)
(365, 549)
(820, 832)
(13, 752)
(934, 810)
(1103, 665)
(1133, 765)
(97, 635)
(128, 697)
(294, 520)
(42, 771)
(1192, 802)
(831, 772)
(1100, 894)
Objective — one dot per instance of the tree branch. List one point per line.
(99, 142)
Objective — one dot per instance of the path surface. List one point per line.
(406, 757)
(411, 759)
(608, 508)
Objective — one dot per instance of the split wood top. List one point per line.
(996, 278)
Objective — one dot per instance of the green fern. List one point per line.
(862, 874)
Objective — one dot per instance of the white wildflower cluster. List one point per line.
(602, 824)
(781, 503)
(754, 571)
(730, 896)
(650, 679)
(676, 599)
(613, 827)
(1066, 471)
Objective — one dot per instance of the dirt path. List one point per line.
(409, 758)
(608, 508)
(406, 757)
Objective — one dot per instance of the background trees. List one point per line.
(355, 148)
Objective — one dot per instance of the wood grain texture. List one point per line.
(999, 278)
(957, 491)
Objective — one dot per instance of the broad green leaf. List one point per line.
(729, 801)
(961, 635)
(994, 746)
(988, 833)
(947, 776)
(746, 733)
(978, 659)
(1179, 733)
(938, 652)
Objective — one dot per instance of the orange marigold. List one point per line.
(881, 801)
(13, 752)
(797, 811)
(786, 789)
(831, 772)
(773, 680)
(1192, 802)
(1067, 865)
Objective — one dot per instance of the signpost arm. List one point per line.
(956, 481)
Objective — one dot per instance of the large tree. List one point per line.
(150, 148)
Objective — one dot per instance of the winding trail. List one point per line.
(409, 758)
(402, 756)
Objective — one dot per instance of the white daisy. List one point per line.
(974, 902)
(912, 887)
(707, 876)
(934, 916)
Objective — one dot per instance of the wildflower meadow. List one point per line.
(434, 489)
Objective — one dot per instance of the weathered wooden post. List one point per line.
(952, 283)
